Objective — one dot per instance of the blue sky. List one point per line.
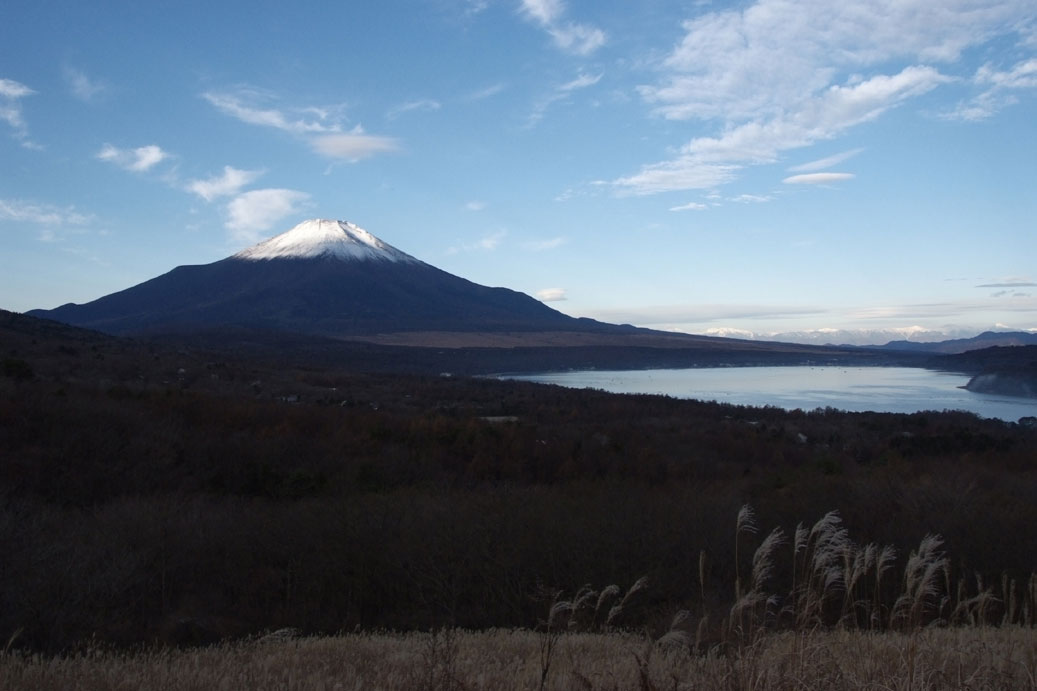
(809, 169)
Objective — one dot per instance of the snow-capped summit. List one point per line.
(325, 238)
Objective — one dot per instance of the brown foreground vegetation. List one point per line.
(499, 660)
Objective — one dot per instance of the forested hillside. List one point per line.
(158, 494)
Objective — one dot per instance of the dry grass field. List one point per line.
(959, 658)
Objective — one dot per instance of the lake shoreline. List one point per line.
(851, 388)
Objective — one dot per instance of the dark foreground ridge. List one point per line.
(568, 351)
(158, 492)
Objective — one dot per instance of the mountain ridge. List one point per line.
(326, 278)
(986, 339)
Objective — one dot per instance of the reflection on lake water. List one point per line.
(881, 389)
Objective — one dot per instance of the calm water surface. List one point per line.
(881, 389)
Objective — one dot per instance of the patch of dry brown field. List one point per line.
(958, 658)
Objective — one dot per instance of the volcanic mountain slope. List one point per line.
(326, 278)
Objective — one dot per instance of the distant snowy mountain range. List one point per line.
(908, 338)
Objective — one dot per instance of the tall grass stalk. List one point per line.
(836, 582)
(746, 523)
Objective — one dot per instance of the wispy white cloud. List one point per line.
(473, 7)
(320, 126)
(543, 11)
(751, 198)
(660, 315)
(354, 146)
(487, 92)
(1010, 283)
(690, 206)
(1000, 87)
(817, 178)
(11, 94)
(543, 245)
(742, 64)
(1021, 303)
(492, 241)
(475, 205)
(579, 39)
(486, 243)
(82, 86)
(228, 184)
(827, 162)
(560, 93)
(551, 295)
(251, 213)
(581, 82)
(707, 162)
(138, 160)
(980, 107)
(1022, 76)
(425, 104)
(82, 253)
(248, 105)
(774, 76)
(14, 90)
(54, 225)
(684, 173)
(43, 214)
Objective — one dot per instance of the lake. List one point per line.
(880, 389)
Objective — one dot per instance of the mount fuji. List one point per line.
(321, 278)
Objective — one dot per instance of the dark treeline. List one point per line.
(152, 495)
